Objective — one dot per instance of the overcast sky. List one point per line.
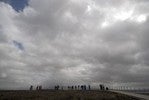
(73, 42)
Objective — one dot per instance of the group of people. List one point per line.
(76, 87)
(57, 87)
(102, 87)
(39, 87)
(80, 87)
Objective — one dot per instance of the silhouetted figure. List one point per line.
(57, 87)
(89, 87)
(37, 88)
(68, 88)
(72, 87)
(84, 87)
(81, 87)
(40, 87)
(31, 88)
(78, 87)
(107, 88)
(75, 87)
(102, 87)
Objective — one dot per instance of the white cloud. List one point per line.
(141, 18)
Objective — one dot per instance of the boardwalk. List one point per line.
(144, 97)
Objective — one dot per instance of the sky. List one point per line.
(69, 42)
(17, 5)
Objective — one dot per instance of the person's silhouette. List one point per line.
(31, 87)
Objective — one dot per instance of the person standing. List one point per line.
(31, 88)
(89, 87)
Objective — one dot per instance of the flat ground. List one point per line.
(144, 93)
(63, 95)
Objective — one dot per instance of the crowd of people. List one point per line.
(102, 87)
(75, 87)
(80, 87)
(39, 87)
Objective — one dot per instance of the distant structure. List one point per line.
(31, 88)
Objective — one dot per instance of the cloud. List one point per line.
(68, 42)
(18, 45)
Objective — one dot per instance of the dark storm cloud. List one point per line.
(74, 42)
